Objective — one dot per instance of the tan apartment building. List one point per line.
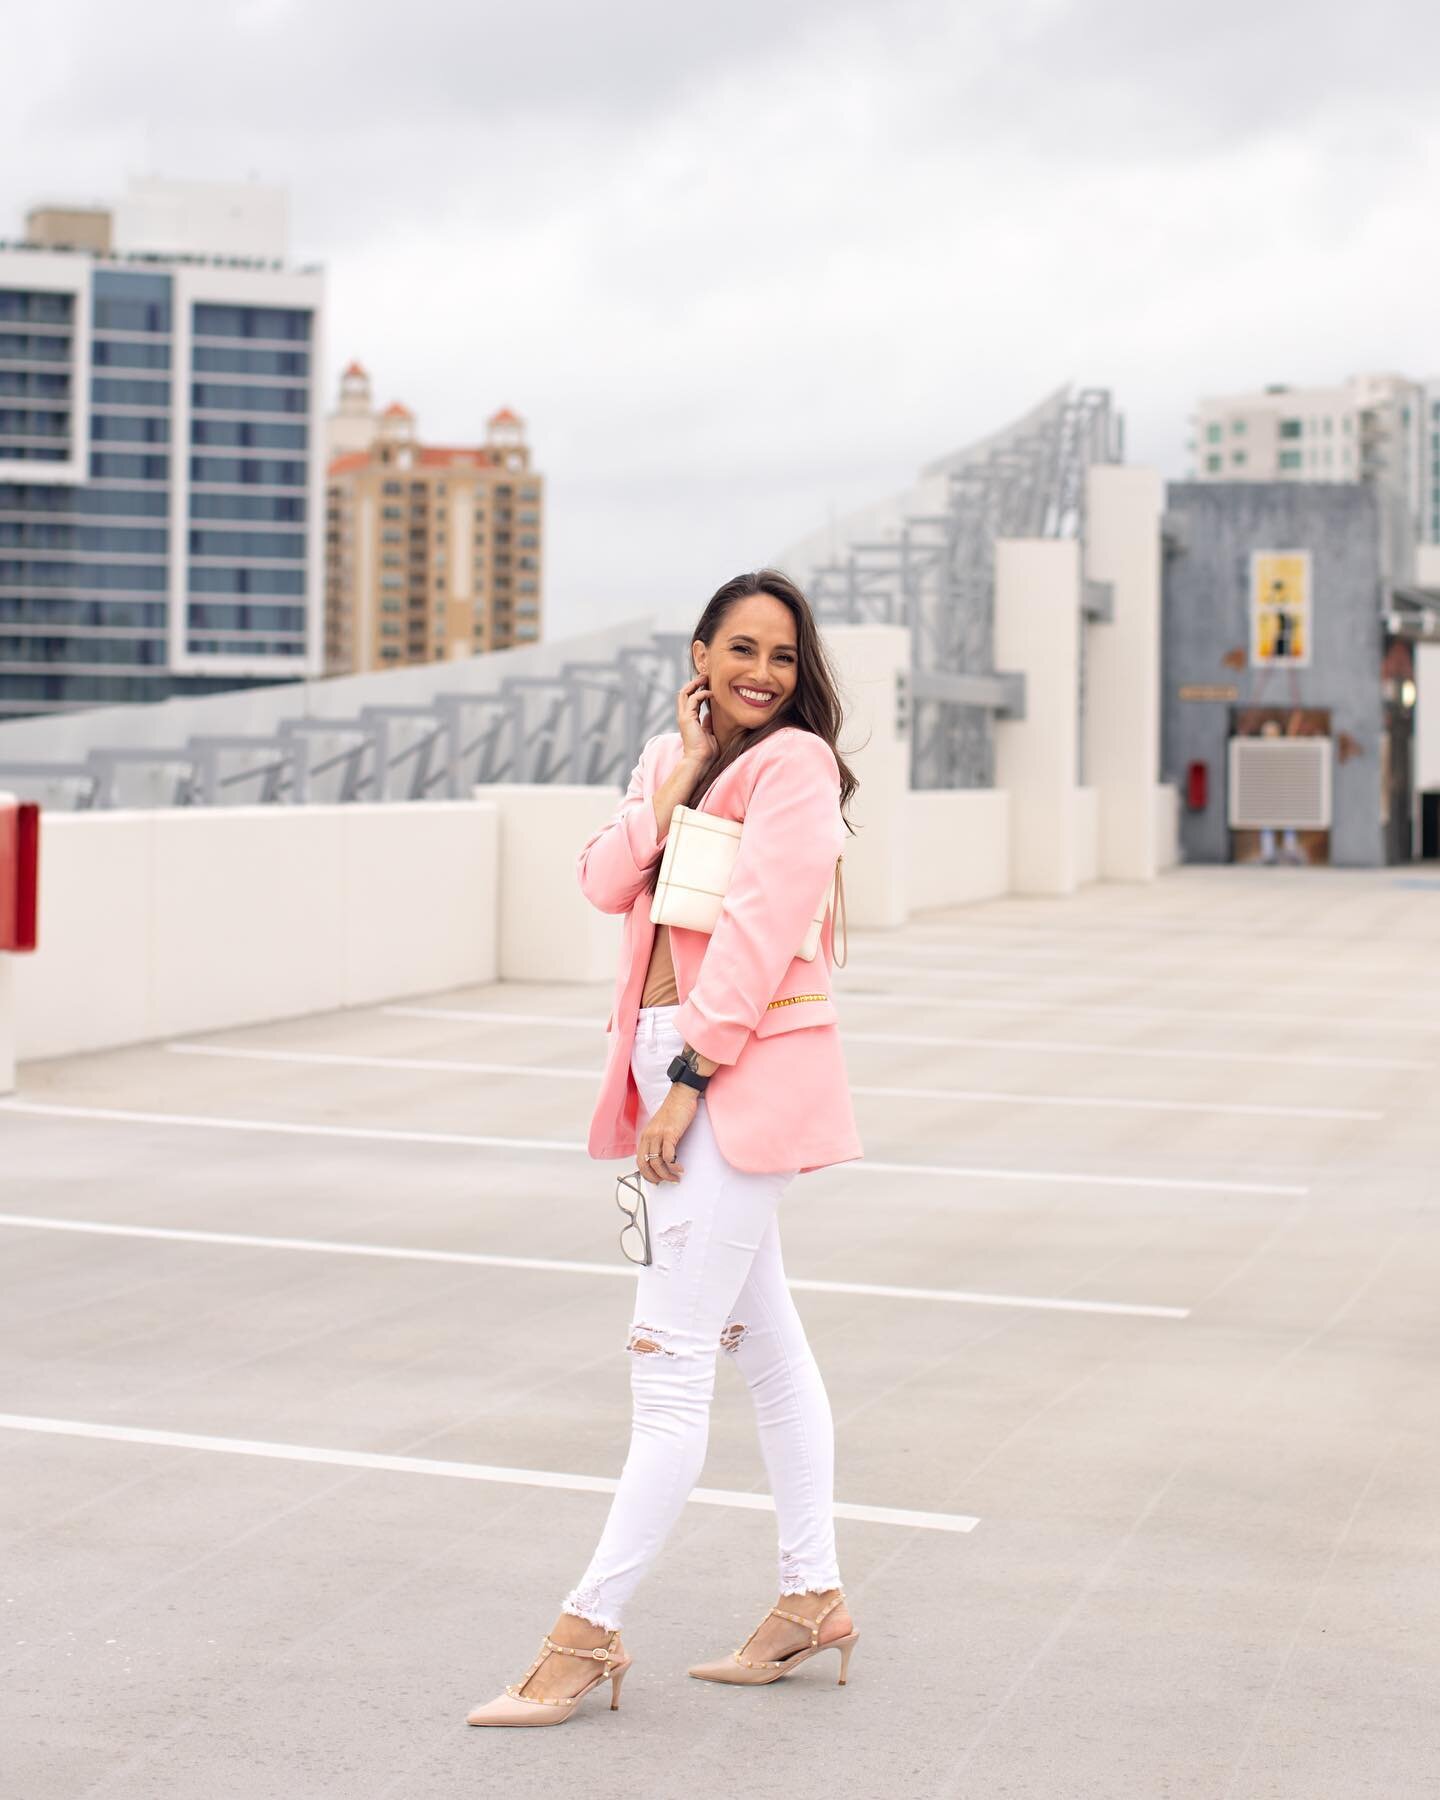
(431, 552)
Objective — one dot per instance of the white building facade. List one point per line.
(1368, 428)
(161, 457)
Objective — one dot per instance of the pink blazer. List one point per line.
(781, 1098)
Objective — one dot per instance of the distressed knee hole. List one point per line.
(645, 1340)
(731, 1336)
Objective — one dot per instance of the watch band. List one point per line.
(683, 1070)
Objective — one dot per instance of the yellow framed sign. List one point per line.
(1280, 612)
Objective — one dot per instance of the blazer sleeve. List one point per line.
(791, 834)
(616, 860)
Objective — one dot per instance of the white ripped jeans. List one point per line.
(716, 1286)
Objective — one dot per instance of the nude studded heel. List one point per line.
(513, 1708)
(741, 1671)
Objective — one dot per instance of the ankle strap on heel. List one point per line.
(811, 1625)
(603, 1653)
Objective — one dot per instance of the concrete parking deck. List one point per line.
(314, 1384)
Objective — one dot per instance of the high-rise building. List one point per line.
(431, 552)
(161, 451)
(1368, 428)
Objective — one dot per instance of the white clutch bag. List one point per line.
(695, 871)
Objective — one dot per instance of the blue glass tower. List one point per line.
(160, 473)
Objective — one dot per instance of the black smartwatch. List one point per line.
(682, 1068)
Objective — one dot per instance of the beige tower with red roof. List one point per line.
(431, 551)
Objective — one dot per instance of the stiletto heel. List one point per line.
(741, 1671)
(617, 1675)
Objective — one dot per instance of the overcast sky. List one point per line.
(741, 264)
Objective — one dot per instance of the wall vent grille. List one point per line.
(1280, 782)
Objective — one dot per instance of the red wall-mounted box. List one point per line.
(19, 874)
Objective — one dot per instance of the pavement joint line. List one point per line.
(1271, 1059)
(560, 1266)
(967, 1096)
(464, 1471)
(473, 1140)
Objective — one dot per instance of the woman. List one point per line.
(764, 1097)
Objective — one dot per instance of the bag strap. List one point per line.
(840, 961)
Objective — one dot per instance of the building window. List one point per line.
(219, 396)
(124, 301)
(1238, 458)
(248, 434)
(275, 322)
(1289, 459)
(105, 354)
(1212, 434)
(108, 391)
(138, 428)
(1290, 428)
(1237, 427)
(1212, 464)
(210, 360)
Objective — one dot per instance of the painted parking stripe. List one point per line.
(474, 1140)
(1241, 1013)
(1037, 1046)
(968, 1096)
(559, 1266)
(463, 1471)
(1122, 975)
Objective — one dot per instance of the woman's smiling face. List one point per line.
(752, 655)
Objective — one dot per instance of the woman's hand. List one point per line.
(660, 1138)
(698, 742)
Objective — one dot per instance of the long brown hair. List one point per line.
(815, 703)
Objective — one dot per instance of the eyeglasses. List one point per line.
(630, 1198)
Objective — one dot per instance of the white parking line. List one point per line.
(870, 1166)
(1126, 974)
(463, 1471)
(558, 1266)
(1040, 1047)
(969, 1096)
(1239, 1013)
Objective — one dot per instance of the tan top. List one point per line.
(660, 988)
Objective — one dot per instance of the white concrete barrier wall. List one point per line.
(547, 929)
(959, 847)
(153, 923)
(1087, 835)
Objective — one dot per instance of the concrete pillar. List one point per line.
(8, 1009)
(7, 1023)
(1037, 631)
(875, 742)
(1122, 667)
